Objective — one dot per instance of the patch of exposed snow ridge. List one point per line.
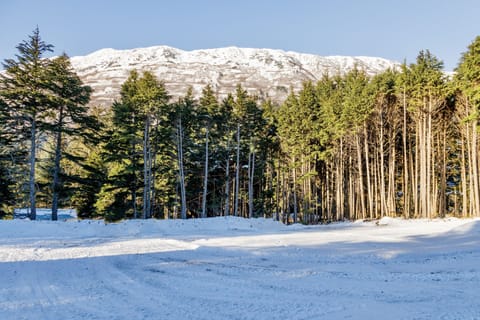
(265, 72)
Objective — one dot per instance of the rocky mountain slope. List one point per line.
(264, 72)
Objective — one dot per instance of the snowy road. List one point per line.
(228, 268)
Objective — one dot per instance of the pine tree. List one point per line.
(25, 90)
(69, 115)
(151, 98)
(122, 153)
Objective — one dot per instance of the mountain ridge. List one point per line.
(264, 72)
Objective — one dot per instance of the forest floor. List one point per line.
(233, 268)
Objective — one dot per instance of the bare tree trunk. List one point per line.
(360, 177)
(227, 185)
(340, 192)
(463, 171)
(367, 168)
(429, 171)
(352, 199)
(295, 204)
(237, 173)
(474, 164)
(33, 148)
(183, 209)
(134, 182)
(205, 179)
(406, 187)
(280, 191)
(383, 204)
(56, 169)
(443, 183)
(153, 164)
(391, 211)
(146, 162)
(251, 172)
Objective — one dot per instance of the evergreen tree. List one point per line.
(69, 115)
(25, 90)
(122, 154)
(140, 127)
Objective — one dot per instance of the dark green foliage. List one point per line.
(25, 90)
(137, 150)
(349, 146)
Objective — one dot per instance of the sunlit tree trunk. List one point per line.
(205, 179)
(33, 148)
(237, 173)
(183, 207)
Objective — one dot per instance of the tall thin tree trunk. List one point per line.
(360, 177)
(183, 209)
(474, 164)
(150, 178)
(227, 185)
(391, 181)
(406, 187)
(146, 175)
(429, 169)
(367, 169)
(134, 165)
(443, 183)
(153, 165)
(237, 173)
(463, 172)
(277, 191)
(383, 203)
(33, 148)
(251, 172)
(295, 204)
(56, 169)
(205, 179)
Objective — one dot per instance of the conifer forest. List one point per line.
(402, 143)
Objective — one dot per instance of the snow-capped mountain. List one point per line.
(264, 72)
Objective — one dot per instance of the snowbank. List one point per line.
(234, 268)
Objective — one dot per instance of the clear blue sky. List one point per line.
(393, 29)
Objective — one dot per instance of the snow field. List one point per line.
(233, 268)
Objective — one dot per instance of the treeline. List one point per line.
(350, 146)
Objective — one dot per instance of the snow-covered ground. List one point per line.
(232, 268)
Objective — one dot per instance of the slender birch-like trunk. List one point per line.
(183, 209)
(146, 164)
(205, 179)
(406, 187)
(227, 185)
(360, 177)
(33, 148)
(251, 172)
(237, 173)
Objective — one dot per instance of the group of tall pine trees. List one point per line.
(42, 103)
(348, 146)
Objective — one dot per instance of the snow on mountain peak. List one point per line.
(265, 72)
